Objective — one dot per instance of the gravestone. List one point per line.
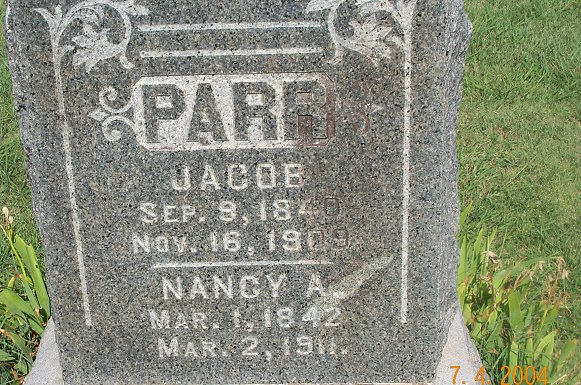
(246, 192)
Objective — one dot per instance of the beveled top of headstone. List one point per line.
(244, 192)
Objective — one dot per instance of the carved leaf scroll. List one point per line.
(369, 38)
(94, 44)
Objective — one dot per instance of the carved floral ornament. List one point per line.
(93, 45)
(369, 38)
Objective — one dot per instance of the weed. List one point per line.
(510, 324)
(24, 306)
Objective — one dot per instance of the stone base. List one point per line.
(459, 351)
(47, 369)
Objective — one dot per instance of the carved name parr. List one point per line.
(225, 112)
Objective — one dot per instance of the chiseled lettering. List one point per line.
(161, 102)
(198, 289)
(209, 179)
(266, 176)
(315, 286)
(181, 322)
(148, 213)
(199, 321)
(237, 177)
(180, 243)
(203, 348)
(161, 321)
(221, 287)
(294, 175)
(167, 319)
(305, 112)
(140, 243)
(276, 285)
(206, 119)
(235, 112)
(169, 214)
(161, 244)
(191, 350)
(166, 351)
(168, 287)
(225, 287)
(248, 287)
(181, 180)
(254, 113)
(209, 349)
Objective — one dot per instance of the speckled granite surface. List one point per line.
(459, 351)
(244, 192)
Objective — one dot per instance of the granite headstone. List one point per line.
(244, 192)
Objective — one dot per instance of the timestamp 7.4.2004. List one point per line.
(517, 375)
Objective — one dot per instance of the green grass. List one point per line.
(519, 139)
(14, 190)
